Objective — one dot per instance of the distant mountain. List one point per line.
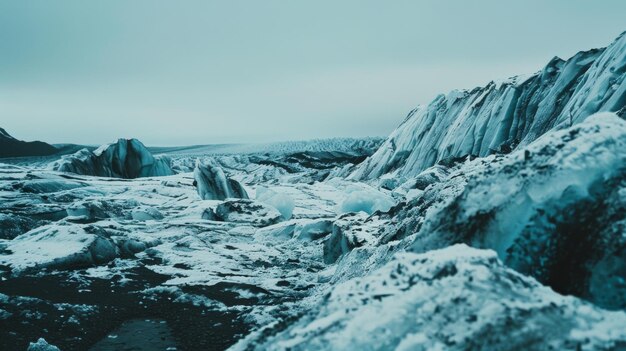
(11, 147)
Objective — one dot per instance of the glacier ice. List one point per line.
(145, 213)
(505, 115)
(552, 210)
(213, 184)
(282, 202)
(313, 229)
(349, 231)
(242, 250)
(94, 209)
(303, 281)
(457, 298)
(55, 246)
(126, 158)
(366, 199)
(50, 185)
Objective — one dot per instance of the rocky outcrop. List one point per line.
(126, 158)
(503, 116)
(213, 184)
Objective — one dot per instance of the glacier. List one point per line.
(552, 210)
(505, 115)
(490, 219)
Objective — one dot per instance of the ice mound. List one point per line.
(282, 202)
(364, 198)
(41, 345)
(313, 229)
(213, 184)
(56, 246)
(126, 158)
(554, 210)
(457, 298)
(277, 232)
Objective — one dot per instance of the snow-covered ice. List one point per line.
(457, 298)
(491, 219)
(126, 158)
(503, 116)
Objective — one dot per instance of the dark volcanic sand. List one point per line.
(113, 309)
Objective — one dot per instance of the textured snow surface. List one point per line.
(58, 247)
(554, 210)
(503, 116)
(336, 146)
(102, 230)
(457, 298)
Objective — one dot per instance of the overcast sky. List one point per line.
(201, 72)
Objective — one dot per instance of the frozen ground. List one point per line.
(83, 257)
(313, 261)
(491, 219)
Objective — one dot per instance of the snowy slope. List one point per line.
(545, 221)
(457, 298)
(554, 210)
(504, 115)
